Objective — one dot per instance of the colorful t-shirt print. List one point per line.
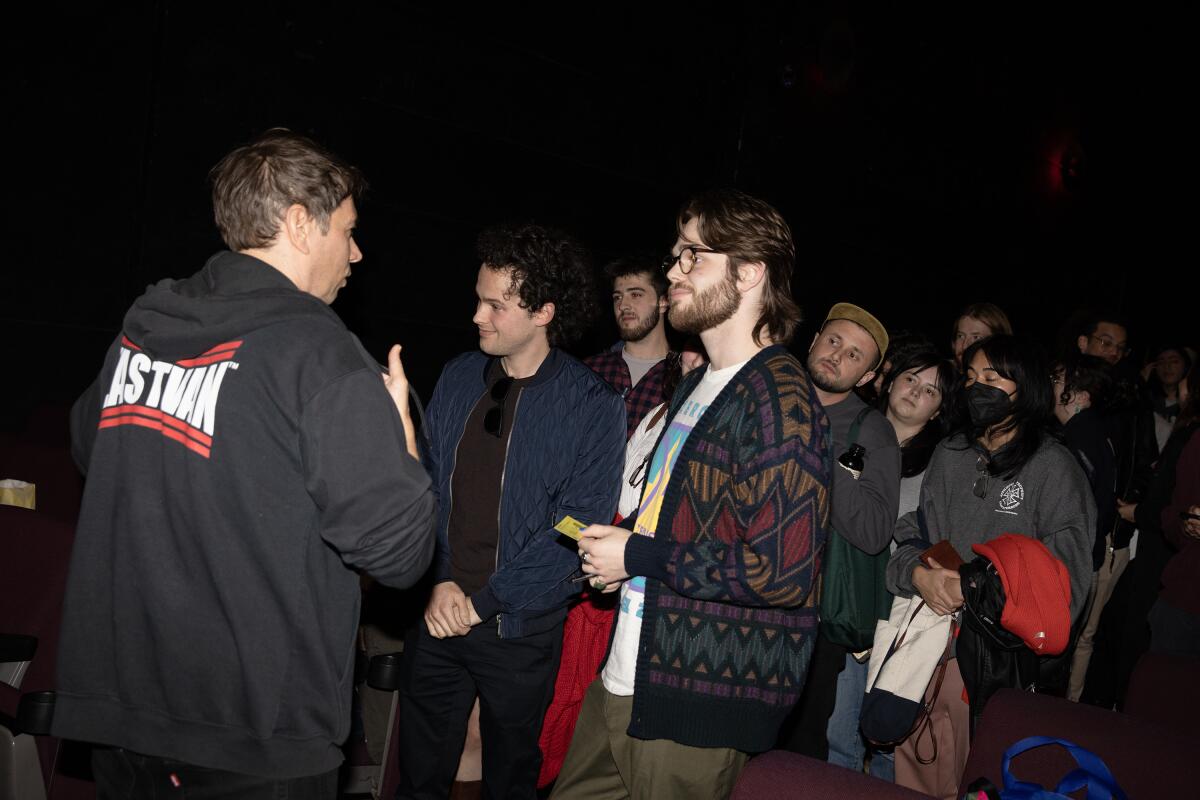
(619, 670)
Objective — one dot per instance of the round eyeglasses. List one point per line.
(686, 259)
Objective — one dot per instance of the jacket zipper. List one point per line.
(500, 503)
(450, 507)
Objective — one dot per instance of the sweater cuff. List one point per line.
(647, 557)
(485, 603)
(902, 564)
(441, 569)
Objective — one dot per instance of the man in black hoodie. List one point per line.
(245, 460)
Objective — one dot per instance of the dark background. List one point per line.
(926, 156)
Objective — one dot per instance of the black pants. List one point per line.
(514, 679)
(805, 728)
(125, 775)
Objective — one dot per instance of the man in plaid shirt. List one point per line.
(635, 365)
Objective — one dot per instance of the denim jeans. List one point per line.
(846, 745)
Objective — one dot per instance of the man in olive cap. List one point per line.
(845, 354)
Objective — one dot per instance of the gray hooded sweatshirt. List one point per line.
(1048, 499)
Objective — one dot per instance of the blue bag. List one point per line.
(1091, 773)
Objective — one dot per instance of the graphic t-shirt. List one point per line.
(622, 660)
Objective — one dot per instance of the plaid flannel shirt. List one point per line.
(639, 400)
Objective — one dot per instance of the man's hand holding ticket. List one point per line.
(602, 548)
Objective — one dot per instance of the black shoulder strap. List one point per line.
(852, 438)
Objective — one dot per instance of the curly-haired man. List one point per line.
(520, 435)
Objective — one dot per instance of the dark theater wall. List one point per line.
(926, 157)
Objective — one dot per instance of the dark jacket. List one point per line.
(242, 453)
(992, 658)
(1131, 430)
(1086, 436)
(565, 455)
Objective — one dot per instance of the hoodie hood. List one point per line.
(231, 295)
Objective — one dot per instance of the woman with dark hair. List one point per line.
(901, 345)
(918, 399)
(1171, 367)
(1082, 386)
(1002, 472)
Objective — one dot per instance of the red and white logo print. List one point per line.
(179, 400)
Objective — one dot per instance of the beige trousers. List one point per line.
(606, 763)
(1103, 583)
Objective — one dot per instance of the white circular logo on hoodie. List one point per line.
(1011, 496)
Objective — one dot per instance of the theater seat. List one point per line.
(35, 550)
(1165, 690)
(779, 775)
(1147, 760)
(383, 673)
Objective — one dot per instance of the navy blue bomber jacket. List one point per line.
(564, 457)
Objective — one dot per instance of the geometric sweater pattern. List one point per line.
(729, 617)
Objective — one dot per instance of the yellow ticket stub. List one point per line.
(569, 526)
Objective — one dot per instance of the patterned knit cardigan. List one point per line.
(729, 622)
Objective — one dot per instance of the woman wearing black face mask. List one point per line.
(1002, 472)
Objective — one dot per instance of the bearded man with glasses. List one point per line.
(716, 618)
(520, 435)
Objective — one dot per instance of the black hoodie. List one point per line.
(243, 460)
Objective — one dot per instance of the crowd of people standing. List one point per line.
(638, 563)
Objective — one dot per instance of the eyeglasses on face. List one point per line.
(686, 259)
(493, 420)
(1110, 345)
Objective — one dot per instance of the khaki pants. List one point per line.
(949, 737)
(605, 762)
(1103, 583)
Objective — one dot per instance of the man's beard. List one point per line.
(643, 327)
(825, 384)
(708, 308)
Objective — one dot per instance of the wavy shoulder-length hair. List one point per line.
(748, 229)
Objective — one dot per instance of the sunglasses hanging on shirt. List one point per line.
(493, 420)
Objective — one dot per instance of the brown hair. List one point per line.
(747, 230)
(257, 183)
(989, 314)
